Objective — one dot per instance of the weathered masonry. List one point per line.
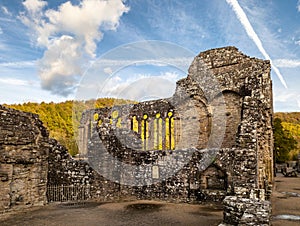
(148, 132)
(24, 148)
(211, 141)
(152, 132)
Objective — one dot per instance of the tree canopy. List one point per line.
(284, 142)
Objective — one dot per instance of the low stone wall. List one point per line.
(181, 186)
(65, 171)
(228, 173)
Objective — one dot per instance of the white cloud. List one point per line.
(287, 63)
(34, 6)
(176, 61)
(84, 21)
(30, 90)
(141, 87)
(287, 100)
(13, 81)
(297, 42)
(2, 46)
(298, 6)
(60, 65)
(18, 64)
(1, 31)
(5, 11)
(70, 35)
(108, 70)
(284, 96)
(242, 17)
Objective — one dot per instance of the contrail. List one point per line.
(242, 17)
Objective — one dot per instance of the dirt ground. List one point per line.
(286, 201)
(126, 213)
(285, 204)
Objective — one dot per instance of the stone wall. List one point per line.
(245, 211)
(181, 186)
(24, 150)
(65, 171)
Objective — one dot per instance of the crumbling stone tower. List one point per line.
(247, 90)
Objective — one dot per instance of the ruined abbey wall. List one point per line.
(247, 88)
(191, 119)
(239, 99)
(24, 150)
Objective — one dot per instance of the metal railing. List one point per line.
(64, 193)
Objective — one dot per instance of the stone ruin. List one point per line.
(214, 135)
(24, 150)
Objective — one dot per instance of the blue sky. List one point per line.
(47, 47)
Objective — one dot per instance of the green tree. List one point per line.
(284, 142)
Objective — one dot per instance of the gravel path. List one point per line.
(285, 211)
(126, 213)
(286, 201)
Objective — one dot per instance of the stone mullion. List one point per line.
(163, 132)
(151, 133)
(139, 120)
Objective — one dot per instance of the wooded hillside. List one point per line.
(291, 123)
